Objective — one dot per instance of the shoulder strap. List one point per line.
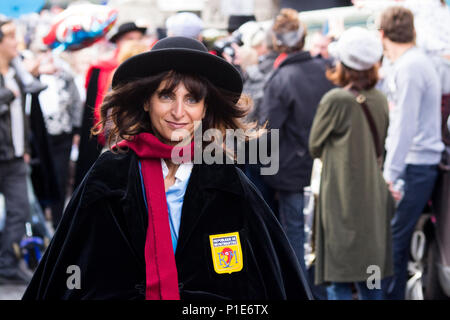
(361, 99)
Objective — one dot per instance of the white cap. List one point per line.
(253, 33)
(357, 48)
(184, 24)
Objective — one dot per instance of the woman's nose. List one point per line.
(178, 109)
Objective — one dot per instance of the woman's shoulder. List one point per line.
(376, 94)
(337, 99)
(111, 160)
(110, 168)
(337, 95)
(344, 97)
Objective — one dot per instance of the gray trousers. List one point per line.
(13, 185)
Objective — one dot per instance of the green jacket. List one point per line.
(354, 207)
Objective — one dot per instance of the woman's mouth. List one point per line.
(176, 125)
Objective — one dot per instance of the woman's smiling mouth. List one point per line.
(176, 125)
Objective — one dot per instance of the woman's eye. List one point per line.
(192, 100)
(164, 96)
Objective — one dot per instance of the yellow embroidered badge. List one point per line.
(226, 252)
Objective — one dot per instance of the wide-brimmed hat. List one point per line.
(184, 55)
(124, 28)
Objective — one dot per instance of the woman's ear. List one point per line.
(147, 107)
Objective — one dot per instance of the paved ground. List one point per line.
(11, 292)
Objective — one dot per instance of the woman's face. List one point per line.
(173, 114)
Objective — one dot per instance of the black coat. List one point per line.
(43, 173)
(291, 97)
(89, 148)
(104, 227)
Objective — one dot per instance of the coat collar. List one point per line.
(296, 57)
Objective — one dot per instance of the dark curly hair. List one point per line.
(122, 113)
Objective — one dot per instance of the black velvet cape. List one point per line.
(89, 148)
(104, 227)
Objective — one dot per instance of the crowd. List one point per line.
(372, 105)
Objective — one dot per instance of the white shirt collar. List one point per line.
(183, 171)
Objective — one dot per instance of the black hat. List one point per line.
(126, 27)
(235, 21)
(181, 54)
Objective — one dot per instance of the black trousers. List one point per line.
(61, 146)
(13, 185)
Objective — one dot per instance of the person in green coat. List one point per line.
(352, 234)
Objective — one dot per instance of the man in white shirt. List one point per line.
(414, 143)
(13, 157)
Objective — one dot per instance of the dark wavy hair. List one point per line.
(122, 113)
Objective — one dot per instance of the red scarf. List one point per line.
(160, 267)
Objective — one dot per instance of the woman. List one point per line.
(141, 226)
(353, 239)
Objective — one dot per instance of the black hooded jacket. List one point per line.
(104, 227)
(291, 97)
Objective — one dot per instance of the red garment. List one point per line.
(161, 270)
(279, 59)
(106, 68)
